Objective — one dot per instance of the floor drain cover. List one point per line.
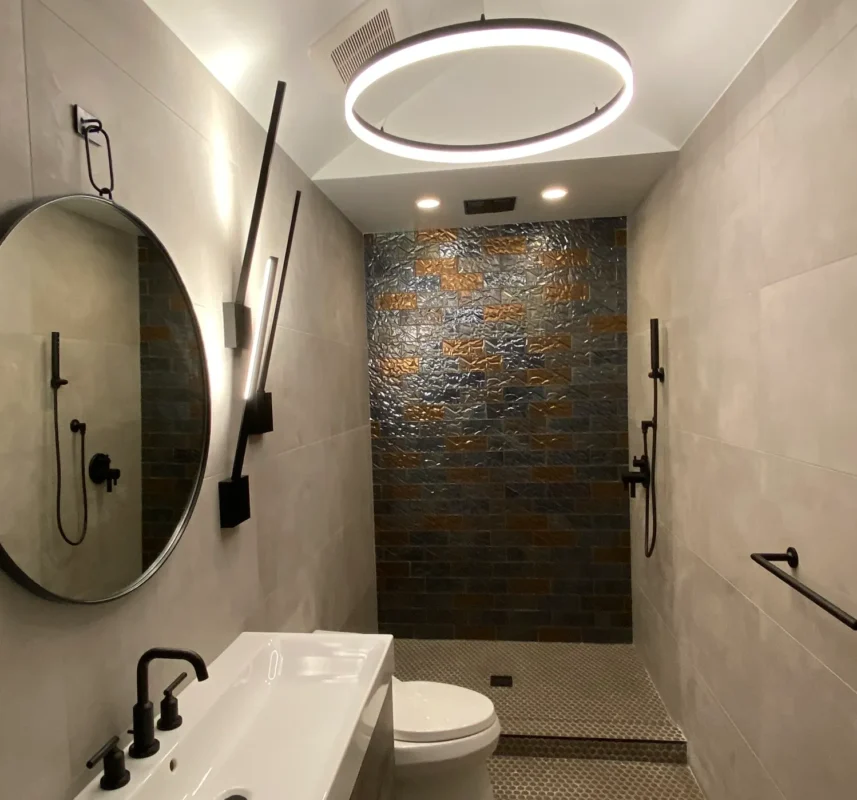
(501, 680)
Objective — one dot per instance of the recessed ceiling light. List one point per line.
(496, 33)
(428, 203)
(554, 193)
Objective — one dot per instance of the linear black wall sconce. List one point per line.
(236, 316)
(257, 416)
(790, 557)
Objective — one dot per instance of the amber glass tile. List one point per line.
(400, 366)
(551, 441)
(610, 555)
(438, 236)
(463, 347)
(436, 266)
(564, 292)
(577, 257)
(548, 377)
(395, 302)
(526, 522)
(462, 282)
(424, 412)
(554, 474)
(407, 460)
(504, 313)
(505, 246)
(555, 343)
(601, 491)
(484, 363)
(468, 475)
(608, 323)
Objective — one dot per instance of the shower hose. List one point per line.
(77, 427)
(651, 528)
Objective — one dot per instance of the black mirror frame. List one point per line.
(8, 222)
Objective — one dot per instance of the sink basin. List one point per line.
(282, 715)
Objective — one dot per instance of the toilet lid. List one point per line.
(438, 712)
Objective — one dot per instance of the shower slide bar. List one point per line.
(791, 558)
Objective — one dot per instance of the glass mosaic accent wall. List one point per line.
(498, 365)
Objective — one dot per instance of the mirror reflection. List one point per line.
(103, 400)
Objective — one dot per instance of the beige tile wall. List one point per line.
(187, 157)
(747, 251)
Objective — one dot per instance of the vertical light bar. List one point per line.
(251, 387)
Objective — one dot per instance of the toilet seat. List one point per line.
(425, 712)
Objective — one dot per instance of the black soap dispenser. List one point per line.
(170, 717)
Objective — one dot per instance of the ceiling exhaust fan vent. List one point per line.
(492, 205)
(368, 40)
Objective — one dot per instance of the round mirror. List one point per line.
(104, 405)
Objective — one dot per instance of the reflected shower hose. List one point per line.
(76, 427)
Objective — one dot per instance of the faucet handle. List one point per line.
(115, 775)
(170, 717)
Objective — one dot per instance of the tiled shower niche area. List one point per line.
(499, 412)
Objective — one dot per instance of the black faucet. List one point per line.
(642, 476)
(145, 744)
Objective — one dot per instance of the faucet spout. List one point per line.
(145, 744)
(193, 658)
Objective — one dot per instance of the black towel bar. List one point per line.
(791, 558)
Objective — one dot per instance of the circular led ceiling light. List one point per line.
(428, 203)
(479, 36)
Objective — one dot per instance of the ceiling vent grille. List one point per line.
(491, 205)
(368, 40)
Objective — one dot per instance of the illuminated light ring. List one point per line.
(478, 36)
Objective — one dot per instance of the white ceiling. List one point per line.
(685, 54)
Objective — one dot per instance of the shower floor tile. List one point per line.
(517, 778)
(587, 691)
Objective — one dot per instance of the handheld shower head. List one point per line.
(56, 380)
(655, 339)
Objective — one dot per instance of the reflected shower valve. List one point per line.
(100, 471)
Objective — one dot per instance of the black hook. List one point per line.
(93, 126)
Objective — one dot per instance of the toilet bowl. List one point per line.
(444, 736)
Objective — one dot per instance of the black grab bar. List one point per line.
(791, 558)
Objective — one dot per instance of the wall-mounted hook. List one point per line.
(89, 127)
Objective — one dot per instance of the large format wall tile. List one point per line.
(755, 229)
(807, 150)
(809, 363)
(14, 127)
(187, 158)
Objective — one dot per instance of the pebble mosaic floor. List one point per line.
(520, 778)
(587, 691)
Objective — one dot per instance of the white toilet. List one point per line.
(444, 736)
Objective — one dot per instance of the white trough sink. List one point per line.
(282, 715)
